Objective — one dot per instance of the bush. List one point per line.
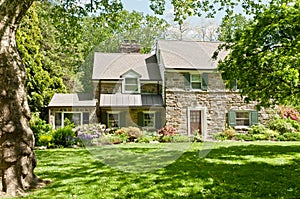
(180, 138)
(244, 137)
(64, 137)
(280, 125)
(130, 133)
(146, 139)
(257, 129)
(45, 140)
(167, 131)
(229, 133)
(39, 127)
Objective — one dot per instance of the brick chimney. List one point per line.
(130, 46)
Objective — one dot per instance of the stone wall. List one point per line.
(216, 102)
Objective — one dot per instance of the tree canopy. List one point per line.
(264, 58)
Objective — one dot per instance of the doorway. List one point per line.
(197, 121)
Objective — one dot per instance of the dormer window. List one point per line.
(131, 85)
(131, 82)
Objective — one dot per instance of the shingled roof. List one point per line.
(189, 54)
(113, 65)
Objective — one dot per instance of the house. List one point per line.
(179, 86)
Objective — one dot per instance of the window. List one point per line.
(242, 118)
(149, 120)
(131, 85)
(74, 118)
(196, 81)
(58, 122)
(113, 120)
(86, 118)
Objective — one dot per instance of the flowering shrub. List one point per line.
(167, 131)
(288, 113)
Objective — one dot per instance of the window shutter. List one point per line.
(122, 119)
(253, 118)
(158, 120)
(204, 84)
(141, 119)
(187, 81)
(103, 118)
(231, 118)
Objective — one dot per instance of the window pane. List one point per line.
(131, 81)
(242, 118)
(86, 118)
(196, 78)
(131, 88)
(149, 119)
(196, 85)
(113, 120)
(74, 118)
(57, 120)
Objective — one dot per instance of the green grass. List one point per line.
(221, 170)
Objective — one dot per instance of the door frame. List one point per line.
(203, 120)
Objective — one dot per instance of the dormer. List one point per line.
(131, 82)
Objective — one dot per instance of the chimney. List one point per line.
(130, 46)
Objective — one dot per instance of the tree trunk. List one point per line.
(16, 138)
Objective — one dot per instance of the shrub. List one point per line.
(45, 140)
(180, 138)
(64, 137)
(271, 135)
(280, 125)
(167, 131)
(244, 137)
(39, 127)
(131, 133)
(146, 139)
(229, 133)
(257, 129)
(288, 113)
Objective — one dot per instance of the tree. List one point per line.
(264, 58)
(43, 78)
(230, 25)
(18, 159)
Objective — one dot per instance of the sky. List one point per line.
(143, 6)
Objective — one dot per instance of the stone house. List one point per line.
(178, 85)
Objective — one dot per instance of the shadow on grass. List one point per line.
(228, 171)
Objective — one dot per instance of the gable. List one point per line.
(189, 54)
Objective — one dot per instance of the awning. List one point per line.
(122, 100)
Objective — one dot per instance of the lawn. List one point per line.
(211, 170)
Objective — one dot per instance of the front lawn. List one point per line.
(205, 170)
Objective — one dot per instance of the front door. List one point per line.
(195, 122)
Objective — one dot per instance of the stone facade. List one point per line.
(214, 103)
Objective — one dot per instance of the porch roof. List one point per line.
(122, 100)
(72, 100)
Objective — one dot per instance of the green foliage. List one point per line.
(46, 140)
(64, 137)
(257, 129)
(39, 128)
(131, 133)
(42, 83)
(231, 25)
(281, 125)
(264, 56)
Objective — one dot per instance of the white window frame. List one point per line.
(68, 112)
(113, 113)
(137, 85)
(154, 119)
